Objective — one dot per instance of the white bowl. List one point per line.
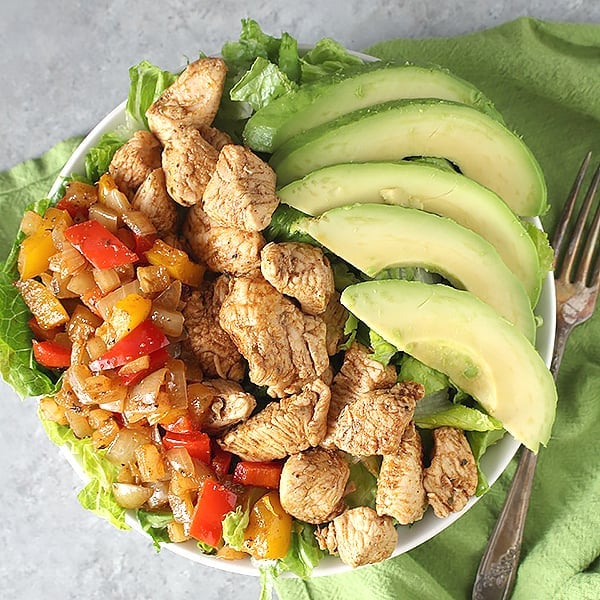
(493, 463)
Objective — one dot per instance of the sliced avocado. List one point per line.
(374, 237)
(317, 103)
(482, 148)
(454, 332)
(423, 185)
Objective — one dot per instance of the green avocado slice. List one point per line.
(452, 331)
(414, 184)
(316, 103)
(482, 148)
(374, 237)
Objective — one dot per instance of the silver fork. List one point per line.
(577, 280)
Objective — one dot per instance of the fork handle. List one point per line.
(498, 568)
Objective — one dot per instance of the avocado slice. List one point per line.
(452, 331)
(374, 237)
(314, 104)
(482, 148)
(422, 185)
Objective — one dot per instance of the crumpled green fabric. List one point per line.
(545, 80)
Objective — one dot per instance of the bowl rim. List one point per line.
(493, 463)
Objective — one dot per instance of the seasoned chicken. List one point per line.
(134, 161)
(222, 249)
(375, 423)
(241, 191)
(451, 478)
(285, 349)
(230, 405)
(301, 271)
(212, 346)
(191, 102)
(335, 317)
(359, 374)
(282, 428)
(153, 200)
(312, 485)
(215, 137)
(400, 491)
(360, 536)
(188, 161)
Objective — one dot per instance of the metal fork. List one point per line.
(577, 281)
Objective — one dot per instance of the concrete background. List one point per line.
(63, 66)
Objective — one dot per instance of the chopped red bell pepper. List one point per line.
(158, 359)
(144, 339)
(102, 248)
(51, 354)
(196, 443)
(260, 474)
(143, 243)
(78, 212)
(214, 503)
(221, 461)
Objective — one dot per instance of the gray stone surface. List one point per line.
(63, 66)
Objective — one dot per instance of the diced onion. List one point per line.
(139, 223)
(106, 279)
(104, 305)
(31, 222)
(122, 449)
(177, 532)
(95, 347)
(180, 461)
(135, 366)
(105, 216)
(170, 322)
(150, 463)
(78, 423)
(176, 383)
(143, 397)
(81, 283)
(129, 495)
(170, 298)
(160, 494)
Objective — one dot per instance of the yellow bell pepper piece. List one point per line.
(177, 263)
(54, 217)
(269, 528)
(35, 253)
(128, 313)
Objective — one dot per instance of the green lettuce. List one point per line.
(147, 83)
(328, 57)
(365, 484)
(480, 441)
(98, 158)
(97, 495)
(383, 351)
(304, 553)
(206, 548)
(155, 525)
(234, 527)
(412, 369)
(459, 416)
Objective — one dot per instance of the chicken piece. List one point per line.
(400, 491)
(285, 349)
(134, 161)
(282, 428)
(312, 485)
(359, 374)
(212, 346)
(301, 271)
(188, 161)
(335, 317)
(241, 191)
(375, 423)
(191, 102)
(451, 478)
(360, 536)
(153, 200)
(231, 405)
(222, 249)
(215, 137)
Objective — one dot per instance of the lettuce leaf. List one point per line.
(383, 351)
(147, 83)
(155, 525)
(365, 483)
(234, 526)
(98, 158)
(206, 548)
(97, 495)
(480, 441)
(328, 57)
(459, 416)
(412, 369)
(304, 553)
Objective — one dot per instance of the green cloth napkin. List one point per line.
(545, 80)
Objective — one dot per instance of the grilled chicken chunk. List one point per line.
(400, 491)
(359, 374)
(282, 428)
(241, 191)
(215, 137)
(375, 423)
(301, 271)
(451, 479)
(153, 200)
(188, 161)
(212, 346)
(230, 405)
(191, 102)
(335, 317)
(285, 349)
(222, 249)
(312, 485)
(360, 536)
(134, 161)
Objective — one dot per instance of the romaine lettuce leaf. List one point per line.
(289, 59)
(480, 441)
(99, 156)
(459, 416)
(328, 57)
(383, 351)
(234, 526)
(97, 495)
(304, 553)
(412, 369)
(365, 484)
(147, 83)
(155, 525)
